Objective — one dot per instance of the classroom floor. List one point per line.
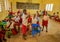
(53, 35)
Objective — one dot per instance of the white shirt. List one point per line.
(34, 20)
(38, 18)
(16, 19)
(24, 19)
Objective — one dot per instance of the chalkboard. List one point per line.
(20, 5)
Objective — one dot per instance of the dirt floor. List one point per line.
(53, 35)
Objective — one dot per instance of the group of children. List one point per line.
(55, 17)
(22, 23)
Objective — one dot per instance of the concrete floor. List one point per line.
(53, 35)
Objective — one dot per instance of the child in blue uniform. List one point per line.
(35, 26)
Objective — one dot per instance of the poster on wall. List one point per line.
(0, 7)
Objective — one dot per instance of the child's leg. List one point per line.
(43, 28)
(46, 29)
(24, 30)
(15, 27)
(0, 40)
(18, 28)
(4, 39)
(43, 24)
(46, 26)
(24, 36)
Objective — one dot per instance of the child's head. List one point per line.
(24, 11)
(57, 12)
(54, 13)
(37, 11)
(34, 15)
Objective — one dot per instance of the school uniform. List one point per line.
(24, 24)
(29, 19)
(45, 21)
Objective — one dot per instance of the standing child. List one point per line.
(35, 26)
(45, 22)
(24, 23)
(29, 24)
(17, 23)
(34, 21)
(38, 17)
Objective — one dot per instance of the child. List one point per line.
(45, 22)
(29, 24)
(24, 23)
(8, 29)
(34, 19)
(17, 23)
(10, 14)
(35, 26)
(2, 35)
(20, 19)
(29, 19)
(38, 17)
(18, 12)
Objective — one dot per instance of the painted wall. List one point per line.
(42, 3)
(4, 12)
(56, 7)
(29, 10)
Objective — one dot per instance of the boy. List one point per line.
(24, 23)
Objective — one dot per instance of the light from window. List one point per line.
(49, 7)
(0, 7)
(6, 4)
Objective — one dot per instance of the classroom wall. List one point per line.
(29, 10)
(4, 12)
(42, 3)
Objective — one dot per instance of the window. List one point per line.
(27, 5)
(49, 7)
(0, 7)
(6, 4)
